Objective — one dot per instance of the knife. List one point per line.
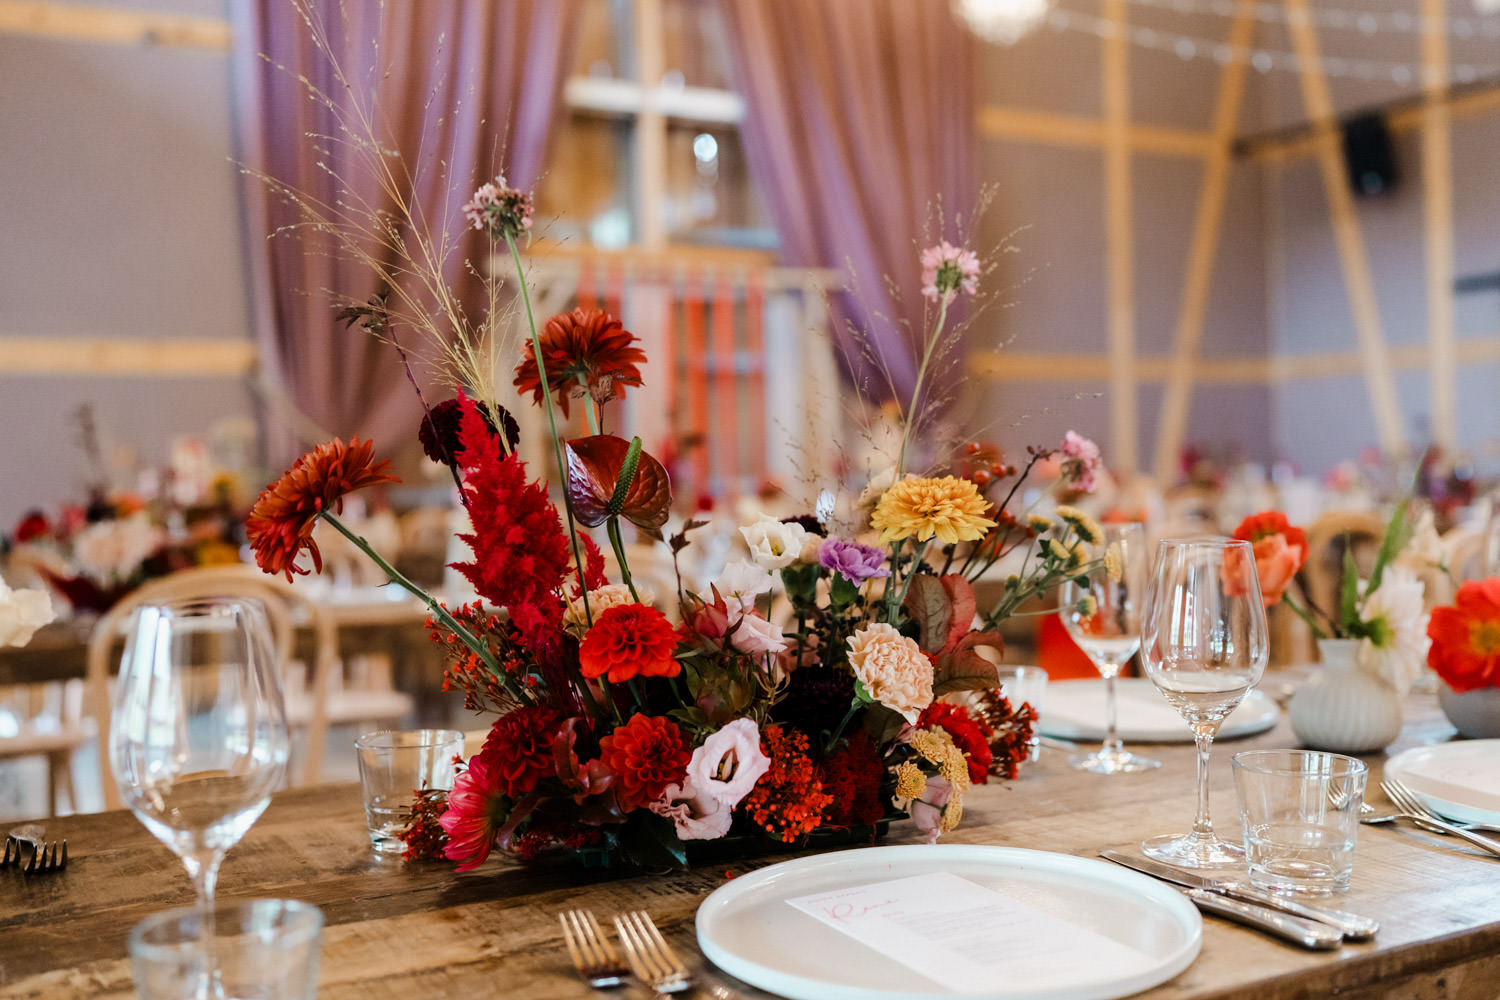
(1349, 925)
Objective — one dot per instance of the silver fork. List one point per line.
(593, 956)
(1410, 808)
(1419, 806)
(652, 959)
(44, 858)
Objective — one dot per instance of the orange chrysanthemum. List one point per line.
(280, 524)
(584, 350)
(1465, 648)
(629, 640)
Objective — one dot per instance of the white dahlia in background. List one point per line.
(1395, 620)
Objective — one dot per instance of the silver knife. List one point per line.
(1349, 925)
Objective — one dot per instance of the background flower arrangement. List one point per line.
(803, 689)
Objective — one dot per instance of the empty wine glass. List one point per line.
(1204, 646)
(1103, 615)
(198, 739)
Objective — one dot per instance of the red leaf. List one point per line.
(963, 669)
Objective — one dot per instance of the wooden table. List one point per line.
(408, 931)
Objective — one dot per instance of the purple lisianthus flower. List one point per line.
(855, 561)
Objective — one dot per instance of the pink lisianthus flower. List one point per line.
(477, 809)
(729, 763)
(947, 270)
(1080, 462)
(695, 815)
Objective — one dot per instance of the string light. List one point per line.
(1260, 59)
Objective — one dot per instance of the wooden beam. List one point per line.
(1021, 366)
(111, 356)
(1384, 402)
(1070, 130)
(651, 129)
(112, 26)
(1172, 426)
(1119, 242)
(1437, 224)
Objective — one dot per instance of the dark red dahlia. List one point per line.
(585, 351)
(520, 744)
(645, 755)
(439, 430)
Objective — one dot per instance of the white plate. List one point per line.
(747, 928)
(1461, 779)
(1074, 710)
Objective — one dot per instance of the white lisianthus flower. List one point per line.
(1425, 550)
(773, 544)
(22, 612)
(743, 581)
(110, 552)
(1397, 620)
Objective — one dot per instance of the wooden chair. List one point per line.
(1329, 537)
(52, 726)
(285, 607)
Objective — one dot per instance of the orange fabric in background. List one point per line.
(1059, 655)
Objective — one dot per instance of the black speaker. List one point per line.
(1369, 155)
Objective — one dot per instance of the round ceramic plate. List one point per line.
(1074, 710)
(1460, 780)
(748, 929)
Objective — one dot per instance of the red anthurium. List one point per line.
(611, 477)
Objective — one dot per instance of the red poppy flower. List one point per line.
(645, 755)
(584, 350)
(629, 640)
(970, 735)
(477, 809)
(520, 744)
(280, 524)
(1465, 648)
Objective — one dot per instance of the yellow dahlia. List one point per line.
(950, 508)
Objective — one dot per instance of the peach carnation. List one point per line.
(893, 669)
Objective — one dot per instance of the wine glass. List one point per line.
(1203, 644)
(198, 738)
(1103, 615)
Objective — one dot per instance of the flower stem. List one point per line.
(612, 527)
(916, 392)
(439, 612)
(557, 446)
(833, 740)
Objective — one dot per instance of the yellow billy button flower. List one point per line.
(950, 508)
(1087, 528)
(1114, 565)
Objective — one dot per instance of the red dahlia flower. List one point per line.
(1465, 648)
(583, 349)
(520, 744)
(645, 755)
(629, 640)
(280, 525)
(477, 809)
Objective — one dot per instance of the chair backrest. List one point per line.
(286, 608)
(1328, 538)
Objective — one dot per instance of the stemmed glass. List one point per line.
(198, 738)
(1103, 615)
(1204, 646)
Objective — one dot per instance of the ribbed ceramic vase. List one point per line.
(1475, 714)
(1345, 707)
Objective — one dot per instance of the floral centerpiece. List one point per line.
(831, 680)
(1465, 654)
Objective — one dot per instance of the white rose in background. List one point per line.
(22, 612)
(1397, 618)
(773, 544)
(110, 552)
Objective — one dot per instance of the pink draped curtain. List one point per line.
(462, 89)
(860, 115)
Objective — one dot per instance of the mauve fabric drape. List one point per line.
(463, 89)
(860, 116)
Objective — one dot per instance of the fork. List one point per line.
(652, 959)
(1410, 808)
(44, 858)
(1421, 807)
(593, 956)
